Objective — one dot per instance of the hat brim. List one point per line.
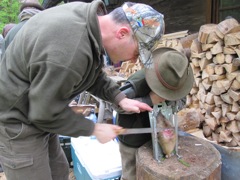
(158, 88)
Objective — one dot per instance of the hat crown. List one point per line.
(172, 69)
(171, 76)
(148, 27)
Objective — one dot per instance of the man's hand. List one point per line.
(105, 132)
(131, 105)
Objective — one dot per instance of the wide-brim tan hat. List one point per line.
(171, 77)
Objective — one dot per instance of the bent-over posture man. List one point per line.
(56, 55)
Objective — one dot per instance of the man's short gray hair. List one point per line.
(119, 16)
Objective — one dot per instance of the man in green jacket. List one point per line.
(55, 56)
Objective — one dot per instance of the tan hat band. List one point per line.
(162, 80)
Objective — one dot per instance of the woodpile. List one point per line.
(215, 60)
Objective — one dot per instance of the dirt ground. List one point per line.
(71, 175)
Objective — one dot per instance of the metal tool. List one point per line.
(170, 112)
(157, 151)
(175, 121)
(125, 131)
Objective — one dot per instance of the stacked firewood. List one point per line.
(215, 60)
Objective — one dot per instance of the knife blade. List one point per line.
(125, 131)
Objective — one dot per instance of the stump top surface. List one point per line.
(201, 155)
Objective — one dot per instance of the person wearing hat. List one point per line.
(28, 9)
(7, 28)
(169, 79)
(56, 55)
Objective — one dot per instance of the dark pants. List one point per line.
(27, 153)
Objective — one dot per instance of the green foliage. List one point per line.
(9, 10)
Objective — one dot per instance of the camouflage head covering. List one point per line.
(148, 27)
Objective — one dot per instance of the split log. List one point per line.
(209, 55)
(189, 118)
(195, 62)
(226, 98)
(196, 47)
(231, 116)
(225, 109)
(225, 136)
(237, 117)
(210, 68)
(217, 88)
(228, 58)
(228, 50)
(232, 127)
(203, 62)
(209, 98)
(230, 67)
(235, 107)
(217, 114)
(206, 47)
(217, 101)
(232, 39)
(235, 85)
(219, 59)
(204, 32)
(235, 95)
(207, 131)
(226, 26)
(207, 84)
(211, 122)
(216, 77)
(231, 76)
(204, 74)
(217, 48)
(219, 70)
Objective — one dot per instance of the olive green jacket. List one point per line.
(56, 55)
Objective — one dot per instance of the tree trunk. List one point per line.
(203, 159)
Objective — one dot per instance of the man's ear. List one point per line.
(123, 32)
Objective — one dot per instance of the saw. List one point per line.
(125, 131)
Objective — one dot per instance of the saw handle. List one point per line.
(120, 131)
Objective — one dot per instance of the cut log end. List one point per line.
(203, 159)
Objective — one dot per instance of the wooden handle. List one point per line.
(120, 131)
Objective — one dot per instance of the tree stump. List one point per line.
(203, 159)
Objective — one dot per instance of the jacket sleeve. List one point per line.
(106, 89)
(49, 95)
(130, 90)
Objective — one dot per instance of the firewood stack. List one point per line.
(215, 60)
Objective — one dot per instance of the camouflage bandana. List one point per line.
(148, 27)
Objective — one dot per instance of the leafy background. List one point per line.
(9, 10)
